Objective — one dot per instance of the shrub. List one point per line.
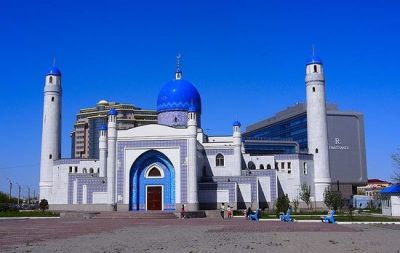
(44, 205)
(282, 204)
(305, 194)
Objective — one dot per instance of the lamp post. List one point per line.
(9, 181)
(19, 193)
(29, 194)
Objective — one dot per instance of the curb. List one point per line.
(27, 218)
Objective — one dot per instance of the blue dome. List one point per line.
(54, 71)
(237, 123)
(178, 95)
(192, 108)
(314, 60)
(113, 112)
(103, 128)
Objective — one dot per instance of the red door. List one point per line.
(154, 198)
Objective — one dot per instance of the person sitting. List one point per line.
(248, 213)
(329, 218)
(287, 217)
(255, 215)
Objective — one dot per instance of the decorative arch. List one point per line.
(261, 166)
(251, 165)
(139, 180)
(154, 171)
(268, 166)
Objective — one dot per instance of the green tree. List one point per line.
(333, 199)
(305, 194)
(295, 203)
(282, 204)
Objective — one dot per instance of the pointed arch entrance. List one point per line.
(152, 182)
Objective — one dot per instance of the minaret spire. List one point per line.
(178, 73)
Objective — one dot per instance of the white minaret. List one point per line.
(111, 158)
(193, 203)
(237, 148)
(103, 151)
(51, 131)
(316, 125)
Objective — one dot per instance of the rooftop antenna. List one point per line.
(178, 73)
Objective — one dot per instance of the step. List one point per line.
(136, 215)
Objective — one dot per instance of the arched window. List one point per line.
(305, 168)
(251, 166)
(84, 170)
(91, 170)
(261, 167)
(313, 89)
(50, 79)
(219, 160)
(175, 119)
(154, 172)
(315, 69)
(268, 166)
(316, 150)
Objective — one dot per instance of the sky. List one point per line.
(246, 58)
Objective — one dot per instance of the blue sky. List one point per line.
(246, 59)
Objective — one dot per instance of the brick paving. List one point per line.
(196, 235)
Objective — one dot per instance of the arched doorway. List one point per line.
(152, 183)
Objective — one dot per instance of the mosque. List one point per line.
(174, 162)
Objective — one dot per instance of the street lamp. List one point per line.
(9, 197)
(19, 192)
(29, 195)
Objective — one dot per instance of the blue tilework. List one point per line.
(138, 181)
(294, 157)
(71, 161)
(219, 150)
(181, 144)
(93, 182)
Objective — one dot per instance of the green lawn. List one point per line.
(29, 214)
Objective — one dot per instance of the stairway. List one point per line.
(136, 215)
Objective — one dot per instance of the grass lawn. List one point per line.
(29, 214)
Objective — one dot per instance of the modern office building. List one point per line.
(85, 136)
(346, 141)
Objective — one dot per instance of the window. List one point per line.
(289, 165)
(91, 170)
(50, 79)
(50, 156)
(251, 166)
(219, 160)
(315, 69)
(316, 150)
(276, 166)
(98, 170)
(175, 119)
(305, 168)
(154, 172)
(268, 166)
(52, 99)
(70, 169)
(76, 169)
(313, 89)
(84, 170)
(282, 165)
(261, 167)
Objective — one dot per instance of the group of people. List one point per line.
(228, 211)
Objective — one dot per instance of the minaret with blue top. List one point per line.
(111, 158)
(237, 148)
(317, 133)
(51, 131)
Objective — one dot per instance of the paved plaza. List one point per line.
(192, 235)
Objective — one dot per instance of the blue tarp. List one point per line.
(393, 189)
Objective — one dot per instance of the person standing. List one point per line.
(183, 212)
(229, 212)
(223, 210)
